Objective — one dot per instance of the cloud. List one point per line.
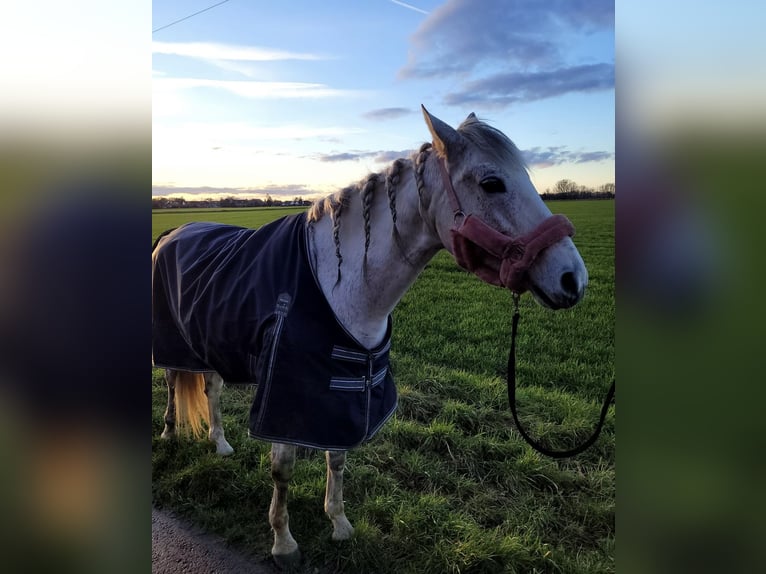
(389, 156)
(216, 51)
(347, 156)
(194, 132)
(253, 89)
(556, 155)
(230, 57)
(508, 88)
(387, 113)
(381, 156)
(594, 156)
(290, 190)
(462, 35)
(499, 53)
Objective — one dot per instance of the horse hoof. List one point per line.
(342, 531)
(167, 435)
(288, 562)
(224, 449)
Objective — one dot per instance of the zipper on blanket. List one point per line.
(283, 305)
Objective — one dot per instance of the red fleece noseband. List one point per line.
(499, 259)
(495, 257)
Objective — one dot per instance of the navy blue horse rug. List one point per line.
(247, 305)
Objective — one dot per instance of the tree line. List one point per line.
(229, 201)
(568, 189)
(564, 189)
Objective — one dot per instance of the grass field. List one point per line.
(448, 485)
(164, 219)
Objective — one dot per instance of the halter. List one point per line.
(493, 256)
(503, 261)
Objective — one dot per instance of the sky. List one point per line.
(301, 98)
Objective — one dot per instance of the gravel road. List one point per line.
(178, 548)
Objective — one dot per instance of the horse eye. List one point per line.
(492, 185)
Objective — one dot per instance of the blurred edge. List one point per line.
(691, 143)
(75, 170)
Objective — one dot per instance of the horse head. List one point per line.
(476, 193)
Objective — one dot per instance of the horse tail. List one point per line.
(191, 403)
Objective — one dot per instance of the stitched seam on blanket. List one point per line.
(379, 377)
(372, 432)
(345, 354)
(348, 383)
(384, 350)
(308, 444)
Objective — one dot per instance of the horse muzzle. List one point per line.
(502, 260)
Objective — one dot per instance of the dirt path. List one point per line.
(178, 548)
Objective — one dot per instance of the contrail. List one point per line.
(410, 6)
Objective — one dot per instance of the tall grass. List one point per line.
(448, 485)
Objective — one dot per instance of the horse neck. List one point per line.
(371, 286)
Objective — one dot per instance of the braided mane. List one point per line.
(335, 203)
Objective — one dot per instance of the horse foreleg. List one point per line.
(213, 389)
(285, 550)
(170, 411)
(333, 501)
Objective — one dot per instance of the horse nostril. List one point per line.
(569, 283)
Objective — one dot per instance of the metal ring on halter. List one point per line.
(458, 215)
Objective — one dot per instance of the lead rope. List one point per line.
(512, 400)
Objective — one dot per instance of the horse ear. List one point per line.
(447, 141)
(471, 116)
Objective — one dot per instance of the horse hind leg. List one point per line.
(285, 550)
(170, 411)
(333, 502)
(213, 390)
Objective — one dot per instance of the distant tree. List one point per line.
(565, 186)
(176, 202)
(607, 188)
(269, 201)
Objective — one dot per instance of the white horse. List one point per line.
(469, 193)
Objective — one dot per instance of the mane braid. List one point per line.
(334, 203)
(366, 192)
(392, 180)
(337, 208)
(420, 165)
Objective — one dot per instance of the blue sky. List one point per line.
(304, 97)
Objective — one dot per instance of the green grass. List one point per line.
(447, 485)
(164, 219)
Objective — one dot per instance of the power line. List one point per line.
(189, 16)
